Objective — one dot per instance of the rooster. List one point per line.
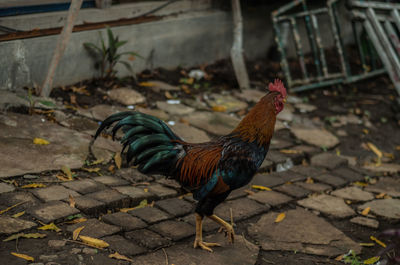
(210, 170)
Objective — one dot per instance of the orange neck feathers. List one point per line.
(258, 125)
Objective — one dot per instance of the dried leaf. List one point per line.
(259, 187)
(360, 184)
(372, 260)
(398, 148)
(76, 221)
(380, 195)
(50, 226)
(142, 204)
(146, 190)
(76, 232)
(146, 84)
(18, 214)
(96, 162)
(309, 180)
(67, 171)
(219, 108)
(72, 99)
(118, 160)
(374, 149)
(339, 258)
(34, 235)
(378, 241)
(289, 151)
(40, 141)
(71, 201)
(11, 207)
(116, 255)
(95, 169)
(62, 178)
(365, 131)
(367, 244)
(168, 95)
(366, 211)
(94, 242)
(186, 89)
(34, 186)
(280, 217)
(23, 256)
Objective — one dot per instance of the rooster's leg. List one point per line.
(228, 227)
(198, 242)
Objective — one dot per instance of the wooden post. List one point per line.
(61, 45)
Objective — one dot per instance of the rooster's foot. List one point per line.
(229, 232)
(205, 245)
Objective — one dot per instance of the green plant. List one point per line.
(352, 258)
(32, 101)
(108, 57)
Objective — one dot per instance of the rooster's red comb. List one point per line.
(278, 86)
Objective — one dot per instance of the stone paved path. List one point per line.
(319, 192)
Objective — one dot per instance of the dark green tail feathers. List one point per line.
(147, 139)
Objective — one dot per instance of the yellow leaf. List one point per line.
(118, 160)
(377, 241)
(98, 161)
(309, 180)
(34, 186)
(374, 149)
(77, 220)
(40, 141)
(116, 255)
(142, 204)
(367, 244)
(146, 190)
(146, 84)
(71, 201)
(11, 207)
(259, 187)
(50, 226)
(365, 131)
(168, 95)
(67, 171)
(23, 256)
(94, 242)
(96, 169)
(372, 260)
(339, 258)
(31, 235)
(76, 232)
(366, 211)
(398, 148)
(360, 184)
(219, 108)
(280, 217)
(289, 151)
(18, 214)
(380, 195)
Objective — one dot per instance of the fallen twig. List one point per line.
(166, 256)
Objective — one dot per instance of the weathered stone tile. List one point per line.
(239, 193)
(189, 133)
(94, 228)
(89, 205)
(132, 175)
(136, 194)
(364, 221)
(250, 95)
(267, 180)
(100, 112)
(175, 207)
(10, 225)
(266, 165)
(111, 181)
(84, 186)
(390, 186)
(52, 211)
(328, 204)
(242, 252)
(330, 179)
(230, 103)
(348, 174)
(315, 136)
(126, 96)
(328, 160)
(169, 182)
(111, 198)
(307, 150)
(293, 190)
(353, 193)
(53, 193)
(208, 224)
(389, 208)
(161, 191)
(148, 239)
(289, 176)
(176, 230)
(303, 231)
(174, 109)
(4, 187)
(105, 149)
(123, 246)
(271, 198)
(241, 209)
(390, 168)
(276, 157)
(314, 187)
(13, 198)
(150, 214)
(277, 144)
(124, 220)
(213, 122)
(307, 171)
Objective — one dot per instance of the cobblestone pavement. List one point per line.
(331, 201)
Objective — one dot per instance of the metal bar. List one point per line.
(315, 79)
(281, 49)
(356, 78)
(376, 5)
(317, 85)
(360, 50)
(384, 40)
(359, 15)
(396, 18)
(392, 36)
(384, 57)
(299, 48)
(303, 14)
(320, 47)
(286, 7)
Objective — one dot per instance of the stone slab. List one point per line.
(331, 180)
(123, 246)
(150, 214)
(390, 186)
(132, 175)
(250, 95)
(348, 174)
(242, 208)
(124, 220)
(111, 198)
(314, 187)
(55, 192)
(328, 160)
(175, 207)
(289, 176)
(364, 221)
(315, 136)
(389, 208)
(189, 134)
(89, 205)
(174, 109)
(301, 231)
(242, 252)
(52, 211)
(84, 186)
(384, 168)
(271, 198)
(100, 112)
(176, 230)
(12, 198)
(9, 225)
(293, 190)
(94, 228)
(148, 238)
(208, 224)
(307, 171)
(126, 96)
(111, 181)
(4, 187)
(19, 155)
(230, 103)
(135, 194)
(160, 191)
(353, 194)
(267, 180)
(329, 205)
(213, 122)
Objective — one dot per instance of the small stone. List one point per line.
(364, 221)
(53, 193)
(189, 133)
(353, 194)
(56, 243)
(384, 168)
(328, 204)
(293, 190)
(84, 186)
(4, 187)
(388, 208)
(175, 207)
(149, 214)
(126, 96)
(390, 186)
(148, 239)
(162, 115)
(328, 160)
(331, 180)
(304, 108)
(176, 230)
(267, 180)
(52, 211)
(89, 205)
(133, 176)
(10, 225)
(315, 136)
(271, 198)
(307, 171)
(174, 109)
(111, 181)
(285, 115)
(111, 198)
(135, 194)
(75, 251)
(315, 187)
(48, 257)
(94, 228)
(100, 112)
(123, 246)
(230, 103)
(242, 208)
(124, 220)
(348, 174)
(213, 122)
(161, 191)
(90, 251)
(250, 95)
